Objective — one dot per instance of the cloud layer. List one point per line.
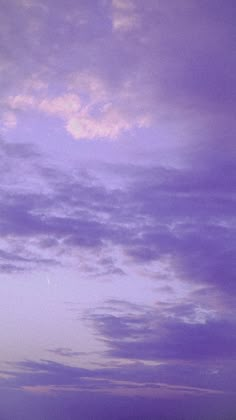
(117, 258)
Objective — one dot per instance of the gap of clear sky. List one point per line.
(117, 210)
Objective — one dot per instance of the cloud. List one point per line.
(104, 70)
(170, 333)
(108, 86)
(96, 119)
(21, 102)
(185, 216)
(62, 106)
(124, 17)
(178, 64)
(41, 388)
(100, 119)
(171, 340)
(66, 352)
(133, 377)
(91, 405)
(10, 268)
(110, 125)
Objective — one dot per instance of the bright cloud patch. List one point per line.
(109, 124)
(124, 16)
(90, 113)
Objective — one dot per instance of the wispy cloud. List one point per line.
(66, 352)
(135, 379)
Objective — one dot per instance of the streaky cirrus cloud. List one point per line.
(134, 376)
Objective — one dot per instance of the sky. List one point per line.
(117, 210)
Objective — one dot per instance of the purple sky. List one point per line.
(117, 210)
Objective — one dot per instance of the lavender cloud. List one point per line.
(187, 215)
(157, 338)
(139, 230)
(165, 379)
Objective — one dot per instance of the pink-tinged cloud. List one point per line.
(110, 124)
(61, 106)
(22, 102)
(94, 118)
